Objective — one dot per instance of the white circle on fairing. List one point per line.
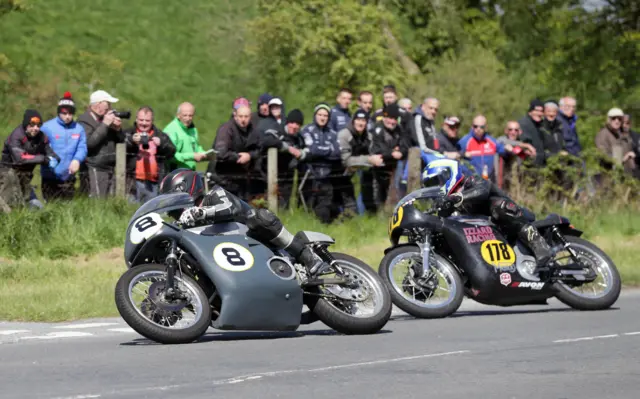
(145, 227)
(232, 257)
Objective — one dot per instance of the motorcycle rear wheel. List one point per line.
(165, 316)
(335, 314)
(607, 271)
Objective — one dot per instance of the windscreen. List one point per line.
(423, 193)
(164, 203)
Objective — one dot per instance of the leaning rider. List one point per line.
(474, 195)
(219, 205)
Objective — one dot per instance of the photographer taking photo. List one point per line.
(148, 150)
(103, 127)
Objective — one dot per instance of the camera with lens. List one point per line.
(144, 139)
(122, 114)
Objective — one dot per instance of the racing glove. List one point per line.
(191, 215)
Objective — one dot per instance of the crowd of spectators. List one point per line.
(78, 156)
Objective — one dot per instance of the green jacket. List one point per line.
(186, 142)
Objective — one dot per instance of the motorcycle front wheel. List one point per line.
(363, 306)
(437, 295)
(140, 299)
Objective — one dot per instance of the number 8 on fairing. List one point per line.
(232, 257)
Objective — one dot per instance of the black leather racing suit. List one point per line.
(219, 205)
(476, 195)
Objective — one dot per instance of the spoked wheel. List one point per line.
(438, 294)
(598, 294)
(140, 299)
(361, 306)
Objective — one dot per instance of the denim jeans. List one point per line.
(146, 190)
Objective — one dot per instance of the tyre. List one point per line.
(342, 315)
(156, 318)
(419, 293)
(607, 275)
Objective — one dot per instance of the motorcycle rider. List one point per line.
(472, 194)
(219, 205)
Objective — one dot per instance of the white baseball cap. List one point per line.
(101, 95)
(275, 101)
(615, 112)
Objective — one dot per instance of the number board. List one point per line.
(396, 219)
(497, 253)
(232, 257)
(145, 227)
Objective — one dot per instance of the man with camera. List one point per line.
(148, 150)
(103, 127)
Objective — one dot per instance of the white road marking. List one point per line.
(61, 334)
(86, 325)
(586, 338)
(633, 333)
(11, 332)
(124, 330)
(259, 376)
(398, 359)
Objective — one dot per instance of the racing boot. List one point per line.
(538, 245)
(304, 255)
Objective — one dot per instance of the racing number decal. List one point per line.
(396, 219)
(145, 223)
(145, 227)
(497, 253)
(232, 257)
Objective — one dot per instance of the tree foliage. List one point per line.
(324, 45)
(490, 56)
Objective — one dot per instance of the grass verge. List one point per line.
(41, 281)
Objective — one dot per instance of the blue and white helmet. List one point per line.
(445, 173)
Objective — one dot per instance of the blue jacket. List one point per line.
(483, 152)
(322, 150)
(69, 142)
(340, 118)
(570, 134)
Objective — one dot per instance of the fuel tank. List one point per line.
(254, 295)
(499, 270)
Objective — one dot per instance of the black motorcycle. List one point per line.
(447, 258)
(181, 281)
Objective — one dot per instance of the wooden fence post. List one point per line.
(121, 170)
(415, 169)
(272, 179)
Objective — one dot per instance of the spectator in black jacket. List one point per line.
(289, 144)
(25, 148)
(355, 150)
(531, 134)
(388, 141)
(390, 96)
(104, 131)
(238, 152)
(552, 130)
(448, 138)
(148, 150)
(262, 111)
(423, 127)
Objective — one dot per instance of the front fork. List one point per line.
(425, 250)
(171, 293)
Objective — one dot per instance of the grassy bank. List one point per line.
(62, 263)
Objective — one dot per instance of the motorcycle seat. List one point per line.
(550, 220)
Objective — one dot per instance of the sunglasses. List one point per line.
(34, 124)
(618, 118)
(513, 130)
(479, 126)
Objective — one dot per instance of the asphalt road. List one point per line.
(481, 352)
